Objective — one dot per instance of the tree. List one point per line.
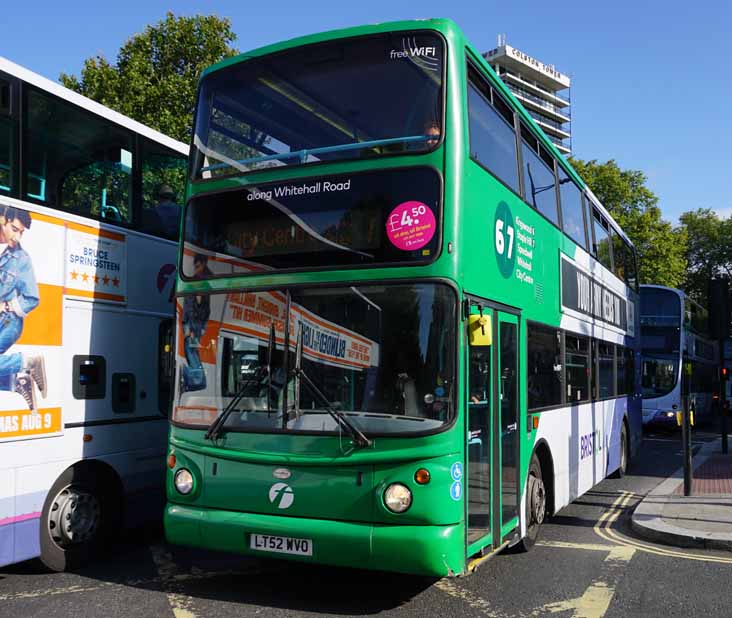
(709, 250)
(661, 248)
(154, 80)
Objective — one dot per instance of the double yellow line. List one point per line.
(604, 529)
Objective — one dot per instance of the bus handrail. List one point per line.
(305, 152)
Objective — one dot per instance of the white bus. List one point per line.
(88, 244)
(674, 331)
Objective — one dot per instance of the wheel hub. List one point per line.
(538, 500)
(74, 516)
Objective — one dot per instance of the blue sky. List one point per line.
(651, 84)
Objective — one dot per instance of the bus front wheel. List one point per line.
(535, 510)
(74, 521)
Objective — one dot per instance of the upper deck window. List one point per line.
(77, 161)
(572, 217)
(602, 240)
(492, 136)
(539, 180)
(7, 132)
(659, 307)
(343, 99)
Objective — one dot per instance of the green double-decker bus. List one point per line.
(406, 330)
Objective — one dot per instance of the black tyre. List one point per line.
(535, 511)
(622, 469)
(76, 520)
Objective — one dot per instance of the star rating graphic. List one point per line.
(95, 279)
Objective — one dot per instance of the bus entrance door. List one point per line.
(479, 362)
(492, 415)
(506, 425)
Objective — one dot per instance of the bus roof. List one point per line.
(57, 89)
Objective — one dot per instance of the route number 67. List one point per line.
(501, 238)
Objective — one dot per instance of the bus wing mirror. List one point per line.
(480, 330)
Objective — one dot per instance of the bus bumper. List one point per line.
(420, 550)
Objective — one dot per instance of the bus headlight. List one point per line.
(183, 481)
(397, 498)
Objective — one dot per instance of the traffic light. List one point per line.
(718, 303)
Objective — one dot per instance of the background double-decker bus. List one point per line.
(88, 245)
(405, 327)
(675, 331)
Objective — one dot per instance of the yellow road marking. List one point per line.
(596, 600)
(167, 570)
(476, 602)
(570, 545)
(603, 528)
(31, 594)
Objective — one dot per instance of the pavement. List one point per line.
(703, 519)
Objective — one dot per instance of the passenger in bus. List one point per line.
(433, 132)
(18, 297)
(168, 212)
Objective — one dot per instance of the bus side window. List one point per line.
(163, 189)
(631, 273)
(492, 134)
(539, 179)
(76, 160)
(602, 240)
(7, 139)
(573, 220)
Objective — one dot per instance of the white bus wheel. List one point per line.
(623, 468)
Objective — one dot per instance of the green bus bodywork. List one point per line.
(337, 486)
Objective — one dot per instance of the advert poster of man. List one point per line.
(20, 373)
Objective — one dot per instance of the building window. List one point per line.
(544, 366)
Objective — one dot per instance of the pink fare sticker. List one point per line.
(410, 226)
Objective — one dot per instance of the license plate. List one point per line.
(281, 544)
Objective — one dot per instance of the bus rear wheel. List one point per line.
(535, 510)
(74, 521)
(623, 467)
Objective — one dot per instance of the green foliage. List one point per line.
(709, 250)
(154, 80)
(661, 248)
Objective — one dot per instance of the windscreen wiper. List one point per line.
(304, 153)
(215, 428)
(358, 436)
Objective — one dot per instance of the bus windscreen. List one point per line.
(344, 99)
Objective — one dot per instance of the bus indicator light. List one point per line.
(422, 476)
(171, 461)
